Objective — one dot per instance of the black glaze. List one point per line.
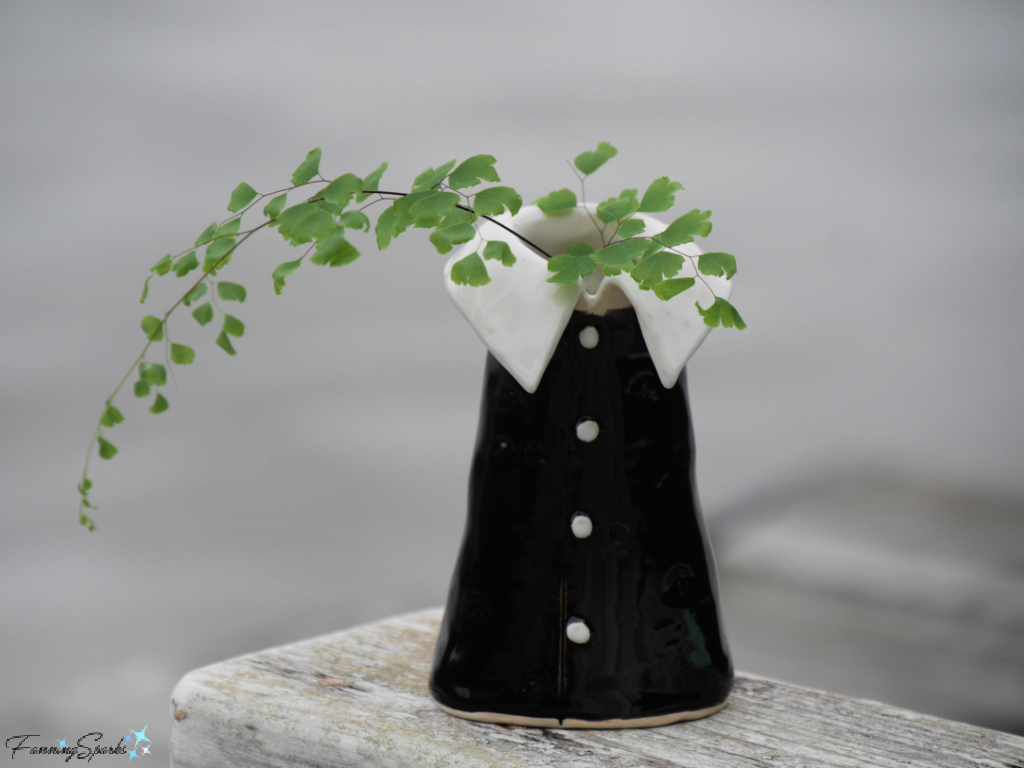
(644, 581)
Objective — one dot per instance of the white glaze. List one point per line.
(577, 631)
(588, 430)
(589, 337)
(520, 316)
(581, 525)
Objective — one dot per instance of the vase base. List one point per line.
(550, 722)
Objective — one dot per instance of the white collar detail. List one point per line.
(520, 317)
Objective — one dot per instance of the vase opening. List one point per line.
(556, 233)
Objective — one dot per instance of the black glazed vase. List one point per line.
(585, 594)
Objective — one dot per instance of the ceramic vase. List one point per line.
(585, 593)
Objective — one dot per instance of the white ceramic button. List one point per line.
(576, 630)
(587, 430)
(589, 337)
(581, 526)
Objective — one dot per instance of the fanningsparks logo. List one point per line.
(86, 748)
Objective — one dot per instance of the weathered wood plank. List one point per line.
(359, 698)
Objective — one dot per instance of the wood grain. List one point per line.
(286, 707)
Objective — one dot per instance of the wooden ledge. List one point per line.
(359, 698)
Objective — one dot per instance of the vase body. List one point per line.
(637, 573)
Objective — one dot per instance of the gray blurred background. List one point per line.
(860, 448)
